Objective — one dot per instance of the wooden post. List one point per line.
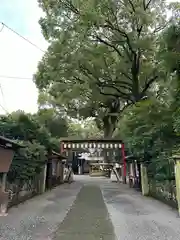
(3, 184)
(62, 148)
(62, 172)
(124, 163)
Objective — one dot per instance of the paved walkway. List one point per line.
(91, 209)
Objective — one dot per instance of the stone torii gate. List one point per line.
(111, 150)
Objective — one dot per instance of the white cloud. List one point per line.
(19, 58)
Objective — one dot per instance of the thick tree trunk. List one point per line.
(108, 132)
(109, 126)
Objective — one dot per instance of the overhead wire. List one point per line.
(15, 77)
(2, 93)
(1, 89)
(2, 27)
(5, 110)
(18, 34)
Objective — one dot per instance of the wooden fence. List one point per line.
(18, 194)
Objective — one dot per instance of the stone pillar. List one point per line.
(144, 180)
(43, 179)
(177, 178)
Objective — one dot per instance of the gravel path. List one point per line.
(88, 218)
(79, 211)
(136, 217)
(39, 218)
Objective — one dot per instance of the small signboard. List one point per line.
(6, 156)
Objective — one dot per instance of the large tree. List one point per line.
(170, 53)
(75, 90)
(148, 131)
(102, 55)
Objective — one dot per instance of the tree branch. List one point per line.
(69, 5)
(87, 72)
(108, 94)
(119, 93)
(146, 6)
(126, 75)
(107, 67)
(109, 45)
(139, 30)
(132, 5)
(79, 80)
(123, 33)
(123, 82)
(147, 85)
(127, 53)
(160, 28)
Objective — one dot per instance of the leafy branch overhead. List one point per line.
(116, 41)
(151, 128)
(37, 133)
(100, 52)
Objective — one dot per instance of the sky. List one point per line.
(17, 57)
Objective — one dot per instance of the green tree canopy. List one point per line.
(149, 134)
(53, 121)
(102, 55)
(34, 132)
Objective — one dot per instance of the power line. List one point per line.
(4, 109)
(14, 77)
(18, 34)
(2, 93)
(2, 28)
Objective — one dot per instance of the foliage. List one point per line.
(149, 134)
(52, 121)
(84, 130)
(171, 42)
(27, 163)
(115, 37)
(34, 132)
(151, 128)
(102, 56)
(116, 62)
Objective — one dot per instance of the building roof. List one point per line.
(80, 140)
(8, 143)
(101, 164)
(58, 155)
